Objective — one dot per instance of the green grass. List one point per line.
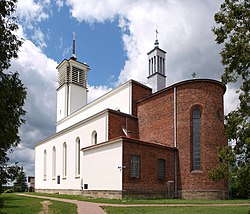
(14, 204)
(143, 201)
(177, 210)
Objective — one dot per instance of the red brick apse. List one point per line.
(165, 117)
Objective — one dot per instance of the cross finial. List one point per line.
(74, 46)
(156, 34)
(156, 37)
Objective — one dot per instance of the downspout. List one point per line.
(175, 147)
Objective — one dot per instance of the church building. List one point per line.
(136, 140)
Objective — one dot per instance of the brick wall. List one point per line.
(155, 118)
(209, 97)
(156, 124)
(148, 183)
(118, 121)
(139, 91)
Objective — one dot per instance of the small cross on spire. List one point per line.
(156, 33)
(156, 38)
(74, 46)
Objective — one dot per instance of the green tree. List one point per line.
(20, 184)
(12, 91)
(232, 30)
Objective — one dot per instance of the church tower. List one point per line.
(72, 89)
(156, 62)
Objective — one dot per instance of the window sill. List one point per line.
(64, 178)
(53, 178)
(77, 176)
(197, 172)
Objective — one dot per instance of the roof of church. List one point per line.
(182, 83)
(128, 139)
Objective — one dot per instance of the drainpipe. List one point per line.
(175, 147)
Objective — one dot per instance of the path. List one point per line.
(95, 208)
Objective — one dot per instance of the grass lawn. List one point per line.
(14, 204)
(177, 210)
(143, 201)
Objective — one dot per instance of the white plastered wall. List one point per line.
(101, 167)
(61, 102)
(77, 98)
(84, 132)
(120, 98)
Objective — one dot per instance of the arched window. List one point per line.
(64, 160)
(196, 139)
(78, 156)
(94, 137)
(53, 162)
(44, 164)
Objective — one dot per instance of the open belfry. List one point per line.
(136, 140)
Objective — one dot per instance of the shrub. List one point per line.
(8, 191)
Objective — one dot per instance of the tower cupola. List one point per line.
(156, 66)
(72, 85)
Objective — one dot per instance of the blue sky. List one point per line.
(113, 38)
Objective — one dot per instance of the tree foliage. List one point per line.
(12, 91)
(232, 30)
(9, 41)
(20, 184)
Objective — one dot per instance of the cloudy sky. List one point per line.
(113, 38)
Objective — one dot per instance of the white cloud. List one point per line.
(30, 11)
(39, 38)
(59, 4)
(185, 33)
(38, 74)
(97, 91)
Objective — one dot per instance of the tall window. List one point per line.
(44, 164)
(53, 162)
(64, 159)
(135, 166)
(94, 137)
(161, 168)
(78, 156)
(196, 139)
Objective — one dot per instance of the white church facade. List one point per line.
(134, 140)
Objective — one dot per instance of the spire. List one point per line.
(74, 47)
(156, 38)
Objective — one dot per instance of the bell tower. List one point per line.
(156, 66)
(72, 85)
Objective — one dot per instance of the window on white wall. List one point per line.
(78, 156)
(94, 137)
(54, 162)
(44, 164)
(64, 160)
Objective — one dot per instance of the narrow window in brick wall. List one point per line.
(196, 139)
(135, 166)
(161, 168)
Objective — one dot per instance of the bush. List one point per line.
(8, 191)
